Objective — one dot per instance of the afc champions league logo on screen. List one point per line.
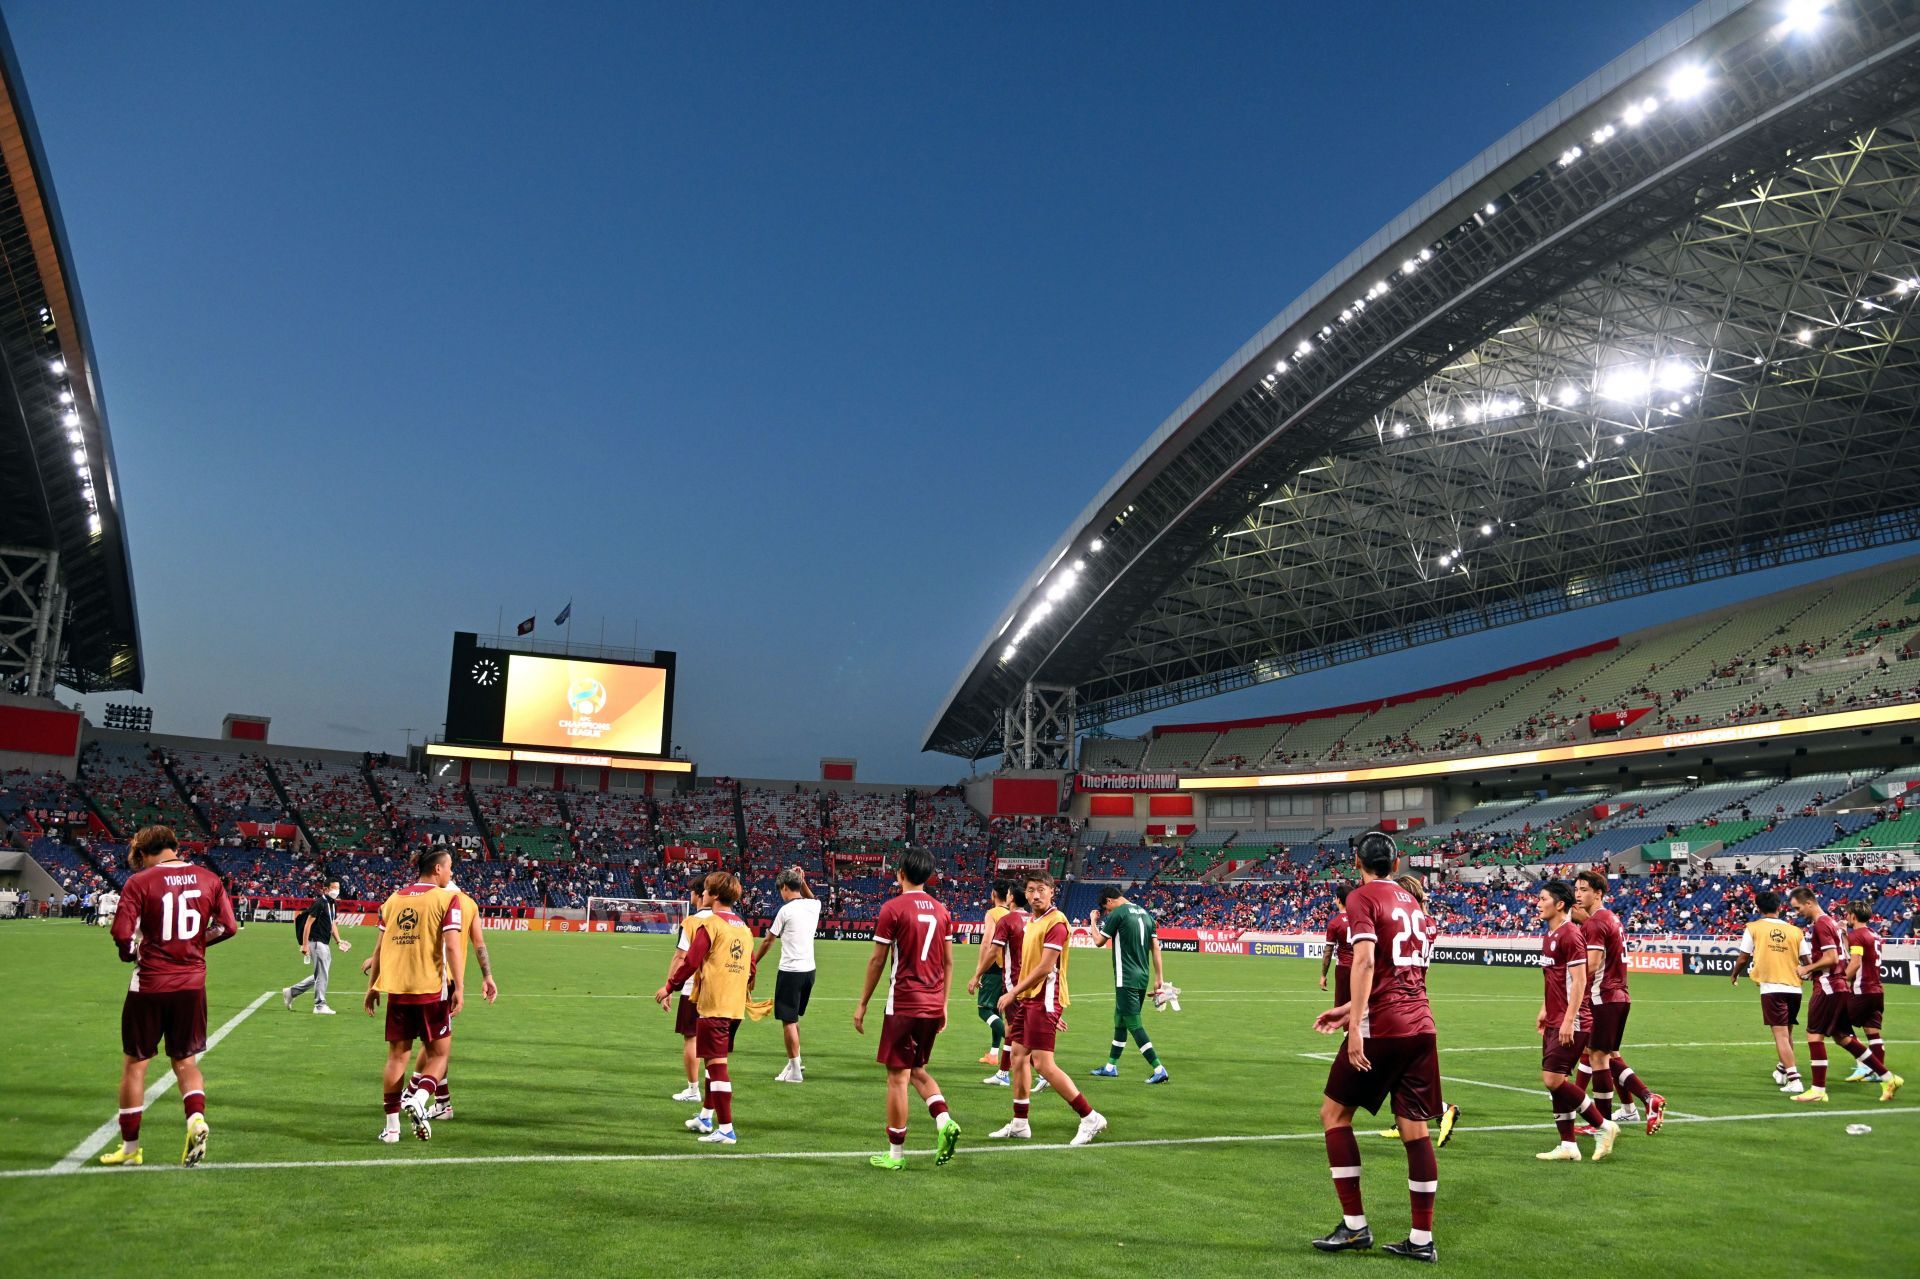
(585, 697)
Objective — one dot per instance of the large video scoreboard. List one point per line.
(558, 704)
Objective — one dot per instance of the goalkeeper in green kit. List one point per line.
(1137, 969)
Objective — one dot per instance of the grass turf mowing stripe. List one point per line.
(109, 1130)
(691, 1156)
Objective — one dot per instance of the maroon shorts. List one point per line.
(1609, 1025)
(1342, 984)
(1865, 1011)
(1829, 1017)
(1405, 1068)
(178, 1016)
(1557, 1058)
(906, 1041)
(686, 1018)
(429, 1022)
(713, 1036)
(1039, 1029)
(1781, 1008)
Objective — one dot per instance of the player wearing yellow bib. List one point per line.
(1042, 1000)
(470, 937)
(989, 982)
(1771, 947)
(421, 970)
(717, 947)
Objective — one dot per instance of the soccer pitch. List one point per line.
(567, 1156)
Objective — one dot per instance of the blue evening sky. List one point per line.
(790, 336)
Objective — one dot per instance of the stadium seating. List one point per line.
(526, 821)
(133, 789)
(334, 802)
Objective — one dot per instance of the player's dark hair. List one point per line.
(1376, 852)
(428, 860)
(1110, 893)
(721, 884)
(1593, 879)
(1767, 902)
(1560, 890)
(1805, 894)
(916, 866)
(697, 883)
(149, 840)
(1003, 887)
(1018, 892)
(1340, 891)
(1039, 877)
(795, 878)
(1862, 910)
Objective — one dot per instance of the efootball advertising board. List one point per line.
(508, 698)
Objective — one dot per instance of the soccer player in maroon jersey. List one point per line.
(1607, 992)
(1339, 948)
(916, 932)
(1565, 1024)
(1830, 1016)
(1390, 1050)
(1866, 998)
(170, 912)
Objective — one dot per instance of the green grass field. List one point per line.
(566, 1155)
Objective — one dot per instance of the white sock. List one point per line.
(1420, 1236)
(393, 1123)
(1356, 1223)
(793, 1063)
(706, 1114)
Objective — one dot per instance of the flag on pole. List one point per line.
(565, 613)
(525, 628)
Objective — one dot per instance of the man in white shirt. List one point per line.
(106, 905)
(794, 924)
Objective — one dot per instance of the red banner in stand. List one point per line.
(266, 830)
(1614, 721)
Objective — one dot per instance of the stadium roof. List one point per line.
(1661, 332)
(58, 486)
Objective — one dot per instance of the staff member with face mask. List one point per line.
(316, 925)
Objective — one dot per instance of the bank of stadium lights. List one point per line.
(1802, 17)
(1688, 82)
(57, 366)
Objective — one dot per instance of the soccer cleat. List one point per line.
(390, 1135)
(1019, 1128)
(1092, 1126)
(1106, 1072)
(417, 1112)
(1414, 1251)
(1811, 1094)
(946, 1141)
(1889, 1085)
(700, 1124)
(786, 1074)
(1631, 1114)
(991, 1057)
(1604, 1139)
(1793, 1085)
(1341, 1239)
(1566, 1152)
(1656, 1113)
(1585, 1130)
(1449, 1119)
(1779, 1076)
(888, 1162)
(720, 1137)
(1159, 1076)
(1388, 1132)
(286, 997)
(1860, 1075)
(196, 1148)
(689, 1093)
(1040, 1083)
(122, 1159)
(1000, 1079)
(321, 1010)
(441, 1110)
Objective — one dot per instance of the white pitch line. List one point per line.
(690, 1157)
(108, 1131)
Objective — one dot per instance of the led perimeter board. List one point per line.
(554, 702)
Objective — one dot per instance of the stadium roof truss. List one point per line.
(1664, 331)
(67, 608)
